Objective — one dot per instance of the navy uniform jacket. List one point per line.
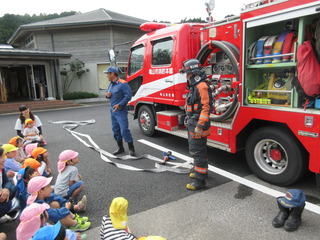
(120, 93)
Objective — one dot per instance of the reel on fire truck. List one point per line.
(225, 89)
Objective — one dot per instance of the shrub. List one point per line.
(79, 95)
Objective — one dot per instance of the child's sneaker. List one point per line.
(82, 204)
(81, 219)
(80, 226)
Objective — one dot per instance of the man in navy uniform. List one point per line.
(119, 94)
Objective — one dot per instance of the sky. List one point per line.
(160, 10)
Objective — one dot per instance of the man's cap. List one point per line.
(38, 151)
(28, 120)
(48, 232)
(65, 156)
(111, 69)
(30, 220)
(35, 185)
(9, 148)
(118, 213)
(293, 198)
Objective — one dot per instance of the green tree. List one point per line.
(73, 70)
(9, 23)
(192, 20)
(230, 15)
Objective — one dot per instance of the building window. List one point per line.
(29, 41)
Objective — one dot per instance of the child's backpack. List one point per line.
(308, 70)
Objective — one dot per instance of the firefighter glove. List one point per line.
(198, 132)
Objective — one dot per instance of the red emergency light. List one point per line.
(151, 26)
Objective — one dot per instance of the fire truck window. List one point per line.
(136, 60)
(162, 52)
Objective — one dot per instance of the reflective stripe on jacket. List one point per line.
(199, 103)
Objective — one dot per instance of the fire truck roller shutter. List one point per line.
(233, 53)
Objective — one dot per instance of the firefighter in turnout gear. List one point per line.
(198, 109)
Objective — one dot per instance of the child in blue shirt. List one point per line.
(10, 152)
(23, 177)
(41, 192)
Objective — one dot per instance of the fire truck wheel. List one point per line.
(275, 156)
(146, 120)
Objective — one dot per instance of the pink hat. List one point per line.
(30, 220)
(64, 157)
(29, 148)
(35, 185)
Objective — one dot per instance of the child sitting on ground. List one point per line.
(41, 192)
(31, 162)
(10, 152)
(9, 205)
(35, 217)
(23, 177)
(115, 226)
(57, 232)
(18, 142)
(68, 183)
(29, 148)
(42, 156)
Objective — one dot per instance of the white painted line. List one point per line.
(274, 193)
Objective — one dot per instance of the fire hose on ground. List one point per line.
(160, 165)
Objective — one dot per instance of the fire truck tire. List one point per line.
(233, 53)
(275, 155)
(146, 120)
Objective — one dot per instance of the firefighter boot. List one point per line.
(131, 149)
(196, 184)
(294, 219)
(281, 217)
(120, 148)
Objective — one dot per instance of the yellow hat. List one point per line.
(28, 120)
(9, 148)
(118, 213)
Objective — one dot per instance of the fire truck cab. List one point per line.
(250, 61)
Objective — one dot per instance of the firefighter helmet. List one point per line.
(192, 65)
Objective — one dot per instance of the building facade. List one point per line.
(87, 37)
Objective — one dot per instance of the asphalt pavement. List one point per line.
(159, 204)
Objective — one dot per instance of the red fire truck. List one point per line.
(250, 61)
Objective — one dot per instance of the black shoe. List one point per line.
(281, 217)
(196, 185)
(131, 149)
(118, 151)
(120, 148)
(294, 219)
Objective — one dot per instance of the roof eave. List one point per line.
(22, 29)
(40, 55)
